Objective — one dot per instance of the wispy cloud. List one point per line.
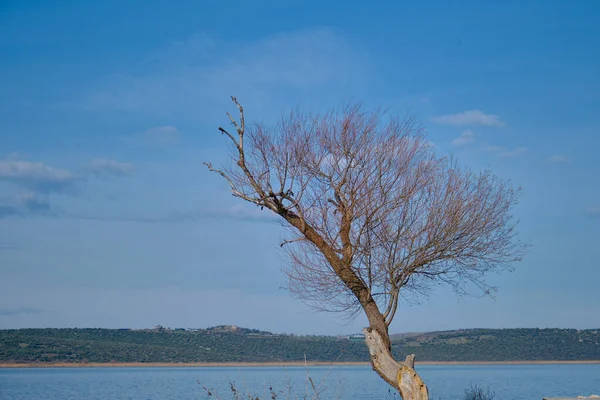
(237, 212)
(36, 176)
(108, 168)
(33, 184)
(34, 181)
(594, 212)
(162, 134)
(506, 152)
(24, 204)
(11, 312)
(469, 118)
(8, 245)
(156, 136)
(558, 159)
(250, 213)
(195, 77)
(466, 137)
(194, 216)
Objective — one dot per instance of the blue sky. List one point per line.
(108, 109)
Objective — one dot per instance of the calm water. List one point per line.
(356, 382)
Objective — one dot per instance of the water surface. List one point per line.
(340, 382)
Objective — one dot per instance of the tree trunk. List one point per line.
(402, 376)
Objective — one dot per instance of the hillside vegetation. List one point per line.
(501, 345)
(232, 344)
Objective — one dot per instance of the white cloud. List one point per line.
(32, 184)
(594, 212)
(14, 169)
(464, 138)
(505, 152)
(558, 159)
(36, 175)
(104, 167)
(469, 118)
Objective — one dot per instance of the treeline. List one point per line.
(222, 344)
(501, 345)
(111, 345)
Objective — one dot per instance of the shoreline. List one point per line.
(275, 364)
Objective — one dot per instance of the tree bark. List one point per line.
(401, 376)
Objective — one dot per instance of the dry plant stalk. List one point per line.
(373, 214)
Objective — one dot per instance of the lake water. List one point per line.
(340, 382)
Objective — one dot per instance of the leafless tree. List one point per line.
(373, 215)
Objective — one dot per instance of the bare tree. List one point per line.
(373, 215)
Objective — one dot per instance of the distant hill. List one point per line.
(501, 345)
(234, 344)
